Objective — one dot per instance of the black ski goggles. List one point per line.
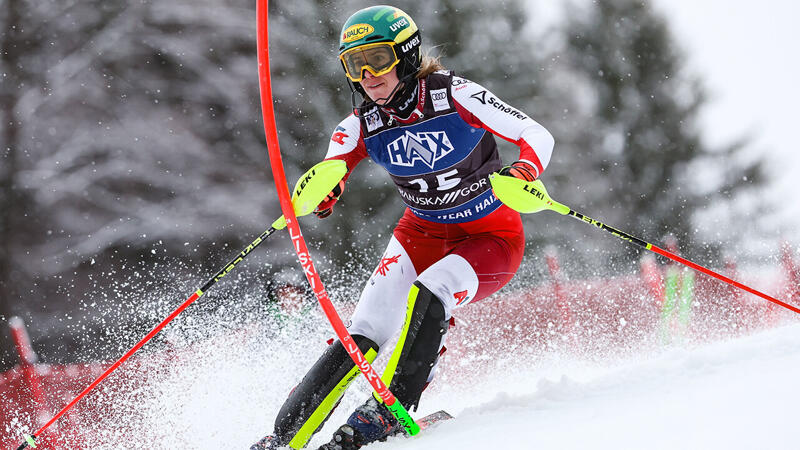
(379, 59)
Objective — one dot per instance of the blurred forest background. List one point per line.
(134, 164)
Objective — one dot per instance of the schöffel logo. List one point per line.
(481, 97)
(426, 146)
(357, 32)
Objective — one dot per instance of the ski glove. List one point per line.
(325, 208)
(519, 169)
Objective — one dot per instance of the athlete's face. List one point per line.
(378, 88)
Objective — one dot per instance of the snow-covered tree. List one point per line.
(127, 126)
(630, 150)
(132, 130)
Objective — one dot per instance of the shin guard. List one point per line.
(312, 401)
(418, 347)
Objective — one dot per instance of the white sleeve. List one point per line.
(481, 108)
(345, 139)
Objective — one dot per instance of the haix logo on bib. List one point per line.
(425, 146)
(357, 32)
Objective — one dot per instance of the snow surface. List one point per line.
(734, 394)
(737, 394)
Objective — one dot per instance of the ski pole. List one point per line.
(532, 196)
(30, 439)
(312, 187)
(276, 163)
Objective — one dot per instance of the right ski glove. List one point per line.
(325, 208)
(519, 169)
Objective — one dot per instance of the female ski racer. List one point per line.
(455, 244)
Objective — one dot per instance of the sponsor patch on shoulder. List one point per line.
(439, 97)
(373, 119)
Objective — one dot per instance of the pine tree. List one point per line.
(130, 126)
(129, 129)
(9, 201)
(631, 140)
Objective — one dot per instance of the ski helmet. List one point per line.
(377, 39)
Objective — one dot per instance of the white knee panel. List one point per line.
(453, 280)
(382, 307)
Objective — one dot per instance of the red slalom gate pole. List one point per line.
(27, 364)
(112, 368)
(276, 163)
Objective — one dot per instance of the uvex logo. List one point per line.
(357, 32)
(409, 45)
(399, 24)
(425, 146)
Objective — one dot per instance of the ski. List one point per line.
(433, 419)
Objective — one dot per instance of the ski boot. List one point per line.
(269, 442)
(370, 422)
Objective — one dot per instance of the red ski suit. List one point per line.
(455, 237)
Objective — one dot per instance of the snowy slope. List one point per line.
(225, 392)
(739, 394)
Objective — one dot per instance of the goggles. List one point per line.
(379, 58)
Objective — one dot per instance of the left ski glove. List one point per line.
(519, 169)
(325, 208)
(313, 187)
